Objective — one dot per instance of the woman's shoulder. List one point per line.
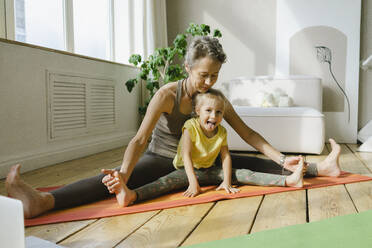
(167, 92)
(169, 87)
(164, 97)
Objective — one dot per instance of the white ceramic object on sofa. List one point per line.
(297, 129)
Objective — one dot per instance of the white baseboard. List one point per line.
(38, 160)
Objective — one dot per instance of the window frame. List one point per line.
(9, 20)
(68, 21)
(2, 19)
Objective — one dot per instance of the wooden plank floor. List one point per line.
(205, 222)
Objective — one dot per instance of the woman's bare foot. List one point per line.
(330, 166)
(124, 196)
(34, 202)
(296, 178)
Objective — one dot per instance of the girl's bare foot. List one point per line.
(124, 196)
(296, 178)
(330, 166)
(34, 202)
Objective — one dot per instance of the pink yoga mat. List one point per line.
(108, 207)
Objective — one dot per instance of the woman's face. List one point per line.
(204, 73)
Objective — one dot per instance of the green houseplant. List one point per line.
(160, 67)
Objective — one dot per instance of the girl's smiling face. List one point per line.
(204, 73)
(210, 112)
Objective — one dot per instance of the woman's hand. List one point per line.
(228, 188)
(291, 163)
(193, 190)
(112, 180)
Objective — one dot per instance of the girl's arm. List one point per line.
(226, 166)
(194, 188)
(255, 139)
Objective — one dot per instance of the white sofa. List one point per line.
(296, 129)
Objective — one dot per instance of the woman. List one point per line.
(168, 110)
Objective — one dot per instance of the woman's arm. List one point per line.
(194, 188)
(250, 136)
(162, 102)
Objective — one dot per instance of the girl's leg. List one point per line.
(177, 180)
(173, 181)
(245, 176)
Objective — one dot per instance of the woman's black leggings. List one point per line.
(149, 168)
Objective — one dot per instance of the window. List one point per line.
(91, 28)
(105, 29)
(39, 22)
(122, 31)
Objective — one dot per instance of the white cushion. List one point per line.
(292, 129)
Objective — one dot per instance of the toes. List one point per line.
(15, 169)
(332, 141)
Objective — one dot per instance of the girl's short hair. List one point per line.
(211, 93)
(203, 46)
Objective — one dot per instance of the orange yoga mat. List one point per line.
(108, 207)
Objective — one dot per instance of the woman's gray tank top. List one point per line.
(168, 130)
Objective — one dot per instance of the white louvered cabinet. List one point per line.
(79, 105)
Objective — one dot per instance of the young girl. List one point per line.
(203, 138)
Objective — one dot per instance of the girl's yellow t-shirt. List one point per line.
(205, 150)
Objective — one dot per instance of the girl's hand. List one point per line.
(228, 188)
(193, 190)
(291, 163)
(112, 180)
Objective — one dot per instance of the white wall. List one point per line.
(23, 108)
(248, 31)
(343, 15)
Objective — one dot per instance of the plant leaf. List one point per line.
(135, 59)
(217, 33)
(130, 84)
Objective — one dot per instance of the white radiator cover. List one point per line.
(79, 105)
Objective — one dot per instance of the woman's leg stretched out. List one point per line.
(149, 168)
(328, 167)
